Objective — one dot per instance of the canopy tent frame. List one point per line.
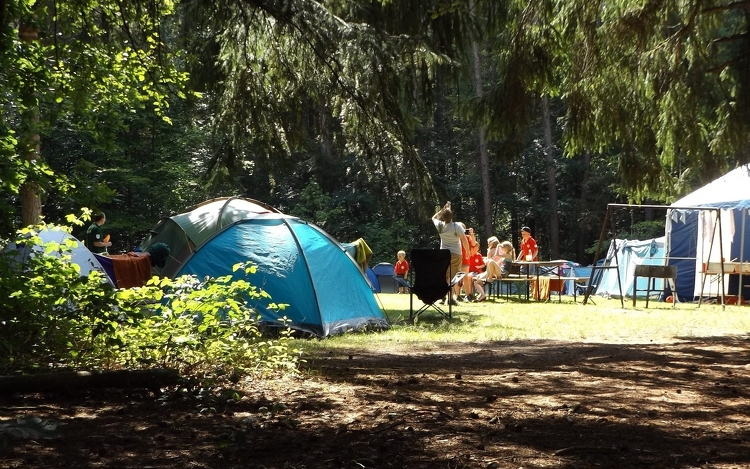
(608, 217)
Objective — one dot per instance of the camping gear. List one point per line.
(134, 269)
(79, 254)
(623, 256)
(694, 233)
(127, 270)
(430, 283)
(372, 279)
(298, 264)
(361, 253)
(184, 232)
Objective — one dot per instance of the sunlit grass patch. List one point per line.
(603, 320)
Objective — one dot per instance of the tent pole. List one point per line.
(721, 255)
(740, 294)
(708, 259)
(619, 282)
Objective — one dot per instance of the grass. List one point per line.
(605, 321)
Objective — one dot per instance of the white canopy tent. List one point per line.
(696, 237)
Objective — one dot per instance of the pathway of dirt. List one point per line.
(499, 405)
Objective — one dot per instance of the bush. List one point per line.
(202, 328)
(48, 311)
(51, 318)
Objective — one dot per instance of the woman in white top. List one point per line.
(452, 238)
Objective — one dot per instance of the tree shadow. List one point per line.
(509, 404)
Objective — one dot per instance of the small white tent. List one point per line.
(79, 254)
(693, 235)
(623, 256)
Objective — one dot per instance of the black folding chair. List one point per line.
(429, 267)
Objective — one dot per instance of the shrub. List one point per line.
(51, 317)
(48, 311)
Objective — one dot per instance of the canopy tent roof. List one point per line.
(730, 190)
(701, 234)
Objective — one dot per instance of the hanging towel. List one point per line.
(543, 292)
(363, 254)
(131, 270)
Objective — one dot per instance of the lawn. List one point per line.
(600, 320)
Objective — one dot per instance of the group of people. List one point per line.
(465, 256)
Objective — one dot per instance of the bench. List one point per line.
(496, 289)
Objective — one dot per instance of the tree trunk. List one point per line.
(554, 225)
(484, 160)
(583, 209)
(31, 201)
(70, 381)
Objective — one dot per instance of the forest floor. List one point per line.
(526, 404)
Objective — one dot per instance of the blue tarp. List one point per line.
(630, 253)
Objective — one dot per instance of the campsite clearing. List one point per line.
(537, 385)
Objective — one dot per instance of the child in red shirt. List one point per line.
(476, 267)
(401, 270)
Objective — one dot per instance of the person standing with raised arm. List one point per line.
(452, 238)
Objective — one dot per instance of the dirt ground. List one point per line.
(501, 405)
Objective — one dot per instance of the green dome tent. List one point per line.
(185, 232)
(298, 263)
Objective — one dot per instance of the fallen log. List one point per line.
(77, 380)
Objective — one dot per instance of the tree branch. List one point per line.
(730, 6)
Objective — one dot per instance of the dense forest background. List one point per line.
(365, 116)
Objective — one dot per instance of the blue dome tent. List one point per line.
(298, 263)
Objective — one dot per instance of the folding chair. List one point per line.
(429, 267)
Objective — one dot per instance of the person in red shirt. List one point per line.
(401, 270)
(476, 267)
(529, 249)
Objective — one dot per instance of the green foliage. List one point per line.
(48, 311)
(87, 63)
(315, 206)
(662, 84)
(51, 317)
(201, 327)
